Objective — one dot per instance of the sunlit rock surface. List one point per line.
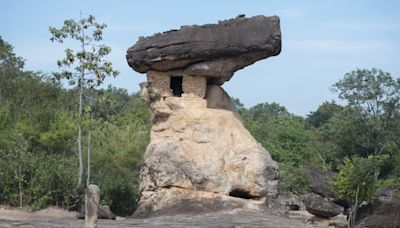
(200, 157)
(212, 50)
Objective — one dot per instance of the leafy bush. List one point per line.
(293, 179)
(357, 180)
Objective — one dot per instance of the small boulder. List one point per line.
(290, 201)
(320, 181)
(105, 212)
(379, 214)
(317, 205)
(386, 194)
(217, 98)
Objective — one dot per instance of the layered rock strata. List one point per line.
(200, 156)
(215, 51)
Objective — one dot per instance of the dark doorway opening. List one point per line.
(176, 86)
(240, 193)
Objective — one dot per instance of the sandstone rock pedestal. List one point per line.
(201, 158)
(92, 199)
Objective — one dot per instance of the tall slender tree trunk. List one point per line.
(353, 211)
(0, 95)
(4, 83)
(89, 139)
(81, 87)
(80, 157)
(88, 160)
(20, 184)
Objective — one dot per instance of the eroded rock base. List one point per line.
(202, 159)
(171, 201)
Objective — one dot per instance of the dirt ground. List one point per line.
(56, 217)
(9, 213)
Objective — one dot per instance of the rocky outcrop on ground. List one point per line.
(321, 201)
(379, 214)
(319, 206)
(212, 50)
(200, 157)
(223, 219)
(174, 201)
(290, 201)
(383, 212)
(104, 212)
(320, 181)
(386, 193)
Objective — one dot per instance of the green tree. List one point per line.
(10, 69)
(85, 67)
(60, 136)
(119, 143)
(111, 102)
(17, 156)
(357, 181)
(37, 108)
(265, 111)
(238, 106)
(342, 136)
(324, 113)
(285, 136)
(378, 96)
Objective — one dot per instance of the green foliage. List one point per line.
(120, 137)
(60, 137)
(43, 177)
(238, 106)
(374, 90)
(85, 66)
(377, 95)
(16, 155)
(117, 152)
(343, 135)
(41, 202)
(357, 179)
(10, 69)
(289, 142)
(285, 136)
(323, 114)
(281, 133)
(38, 133)
(391, 182)
(293, 178)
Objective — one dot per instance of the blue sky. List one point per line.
(321, 40)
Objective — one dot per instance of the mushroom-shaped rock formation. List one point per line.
(200, 156)
(213, 50)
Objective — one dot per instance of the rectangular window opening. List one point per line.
(176, 86)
